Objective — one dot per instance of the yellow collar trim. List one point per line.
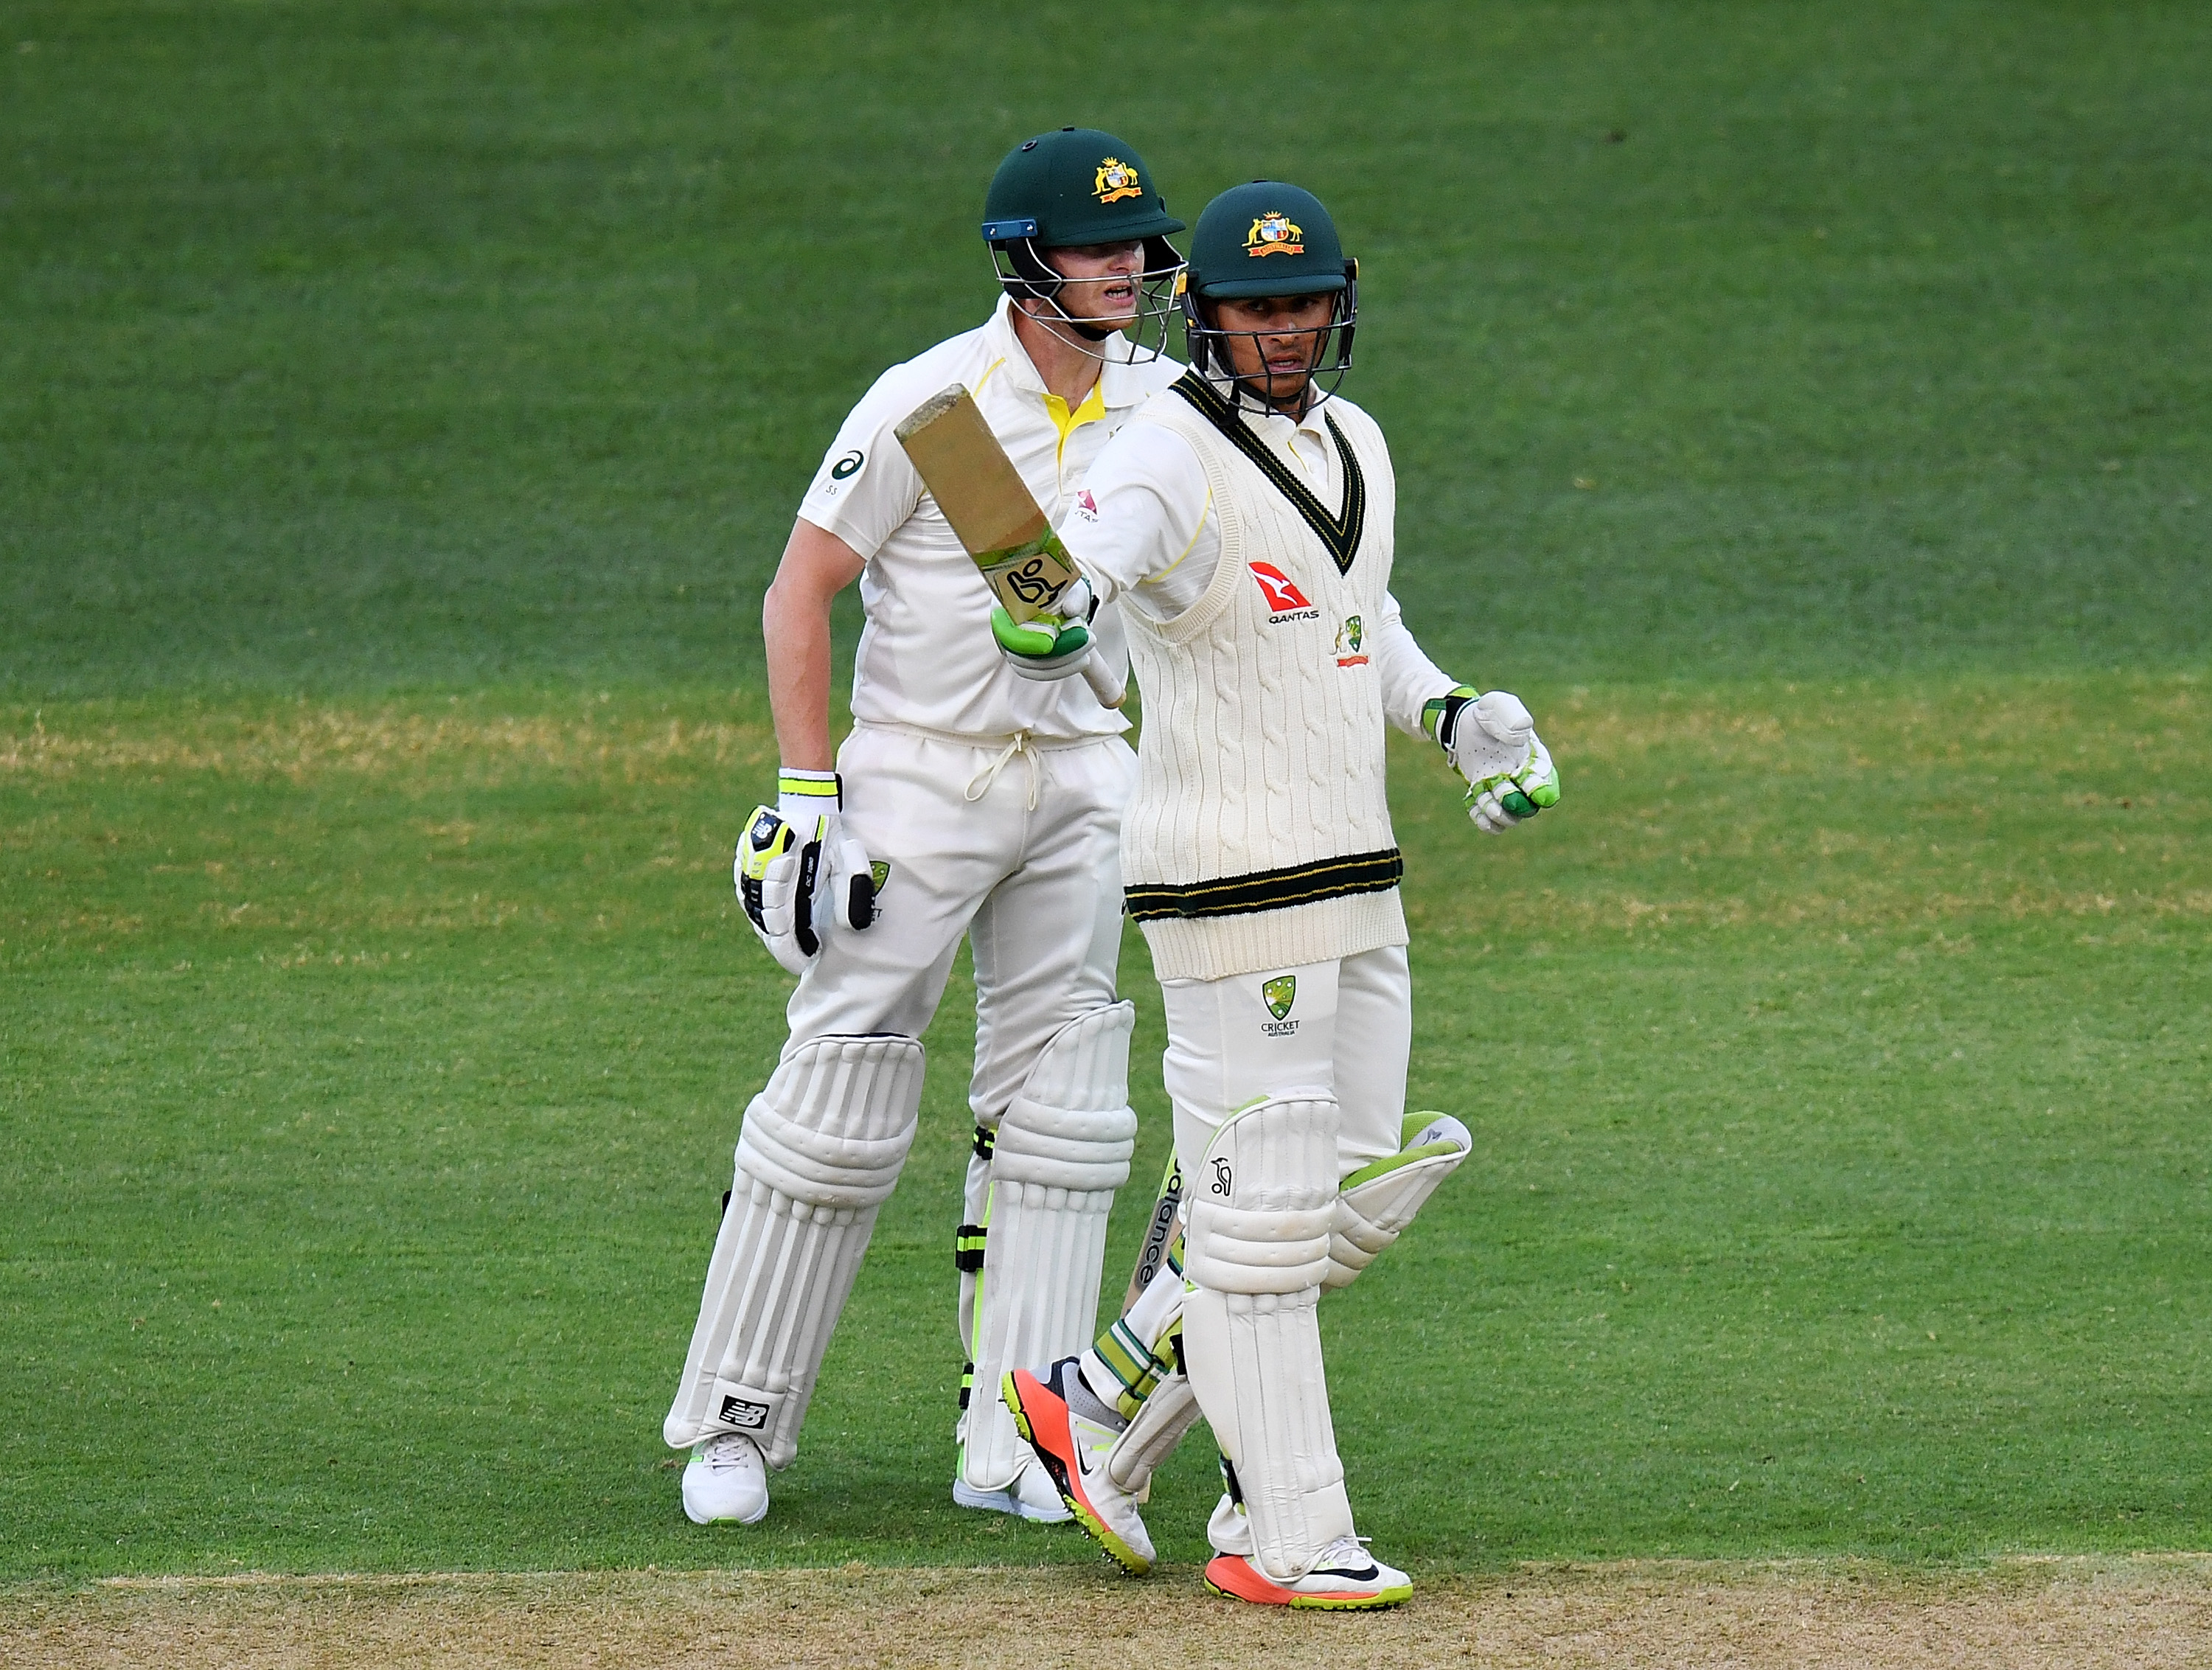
(1092, 409)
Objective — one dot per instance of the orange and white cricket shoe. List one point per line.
(1073, 1447)
(1345, 1578)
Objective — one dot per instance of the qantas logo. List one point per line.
(1087, 506)
(1285, 601)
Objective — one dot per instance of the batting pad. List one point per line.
(1062, 1150)
(1137, 1350)
(819, 1153)
(1260, 1205)
(1376, 1202)
(1152, 1436)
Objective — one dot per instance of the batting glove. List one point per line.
(1051, 647)
(798, 871)
(1492, 742)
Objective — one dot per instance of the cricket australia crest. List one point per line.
(1116, 180)
(1349, 636)
(1278, 994)
(1275, 234)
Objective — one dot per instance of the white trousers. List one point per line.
(1019, 851)
(1345, 1029)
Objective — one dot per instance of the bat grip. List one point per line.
(1108, 689)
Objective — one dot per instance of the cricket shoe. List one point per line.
(1345, 1578)
(1030, 1497)
(1073, 1447)
(725, 1482)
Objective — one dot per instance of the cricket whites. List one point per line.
(992, 509)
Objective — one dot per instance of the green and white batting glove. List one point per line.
(1051, 647)
(799, 871)
(1492, 743)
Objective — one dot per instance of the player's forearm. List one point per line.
(795, 629)
(798, 636)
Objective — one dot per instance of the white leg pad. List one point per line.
(1260, 1205)
(1062, 1149)
(1373, 1207)
(1376, 1202)
(1152, 1437)
(818, 1154)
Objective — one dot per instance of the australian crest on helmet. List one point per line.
(1274, 233)
(1117, 180)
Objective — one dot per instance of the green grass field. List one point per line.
(401, 407)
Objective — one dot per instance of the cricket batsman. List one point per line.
(970, 797)
(1244, 524)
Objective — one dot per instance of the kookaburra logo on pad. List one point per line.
(1221, 1180)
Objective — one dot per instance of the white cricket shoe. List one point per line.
(1343, 1577)
(1030, 1497)
(725, 1482)
(1072, 1448)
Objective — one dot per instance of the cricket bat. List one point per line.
(992, 509)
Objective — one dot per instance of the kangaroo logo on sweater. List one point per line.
(1285, 601)
(1278, 994)
(1349, 637)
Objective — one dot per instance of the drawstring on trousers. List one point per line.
(980, 784)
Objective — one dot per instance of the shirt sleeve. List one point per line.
(1135, 529)
(1409, 678)
(866, 486)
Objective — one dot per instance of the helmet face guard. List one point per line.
(1025, 272)
(1208, 347)
(1082, 188)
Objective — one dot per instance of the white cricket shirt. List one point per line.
(1145, 531)
(927, 657)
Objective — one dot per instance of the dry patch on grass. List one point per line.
(306, 741)
(2076, 1613)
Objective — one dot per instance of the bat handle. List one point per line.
(1108, 689)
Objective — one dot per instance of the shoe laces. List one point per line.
(1345, 1551)
(726, 1451)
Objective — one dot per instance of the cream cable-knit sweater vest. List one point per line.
(1260, 837)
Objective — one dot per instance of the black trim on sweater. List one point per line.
(1268, 889)
(1339, 533)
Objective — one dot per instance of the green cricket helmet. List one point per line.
(1268, 238)
(1071, 189)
